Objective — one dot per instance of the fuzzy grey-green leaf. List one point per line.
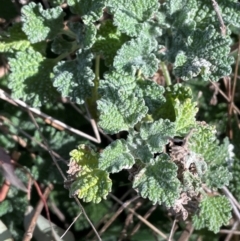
(40, 24)
(116, 157)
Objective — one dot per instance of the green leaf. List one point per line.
(40, 24)
(212, 153)
(217, 176)
(119, 108)
(90, 183)
(120, 111)
(74, 78)
(196, 45)
(152, 94)
(205, 14)
(157, 133)
(14, 40)
(206, 54)
(158, 181)
(85, 34)
(234, 185)
(138, 147)
(92, 186)
(109, 41)
(214, 212)
(116, 157)
(175, 95)
(129, 16)
(192, 184)
(89, 10)
(5, 207)
(30, 77)
(185, 116)
(137, 55)
(85, 157)
(114, 81)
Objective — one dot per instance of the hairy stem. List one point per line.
(91, 102)
(66, 54)
(165, 73)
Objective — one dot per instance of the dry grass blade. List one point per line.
(20, 141)
(86, 216)
(48, 119)
(129, 220)
(217, 10)
(172, 230)
(231, 197)
(146, 216)
(156, 230)
(93, 123)
(62, 174)
(117, 213)
(29, 232)
(49, 149)
(187, 232)
(223, 94)
(232, 231)
(75, 219)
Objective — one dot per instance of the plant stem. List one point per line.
(96, 80)
(91, 102)
(165, 73)
(66, 54)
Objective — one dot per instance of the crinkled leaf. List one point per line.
(157, 133)
(109, 41)
(85, 33)
(152, 95)
(14, 40)
(120, 111)
(202, 135)
(137, 55)
(89, 10)
(92, 186)
(192, 184)
(158, 181)
(234, 185)
(129, 16)
(204, 142)
(85, 157)
(30, 77)
(206, 55)
(185, 116)
(74, 79)
(40, 24)
(116, 157)
(114, 81)
(214, 212)
(174, 93)
(138, 147)
(217, 176)
(179, 91)
(203, 12)
(218, 153)
(196, 46)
